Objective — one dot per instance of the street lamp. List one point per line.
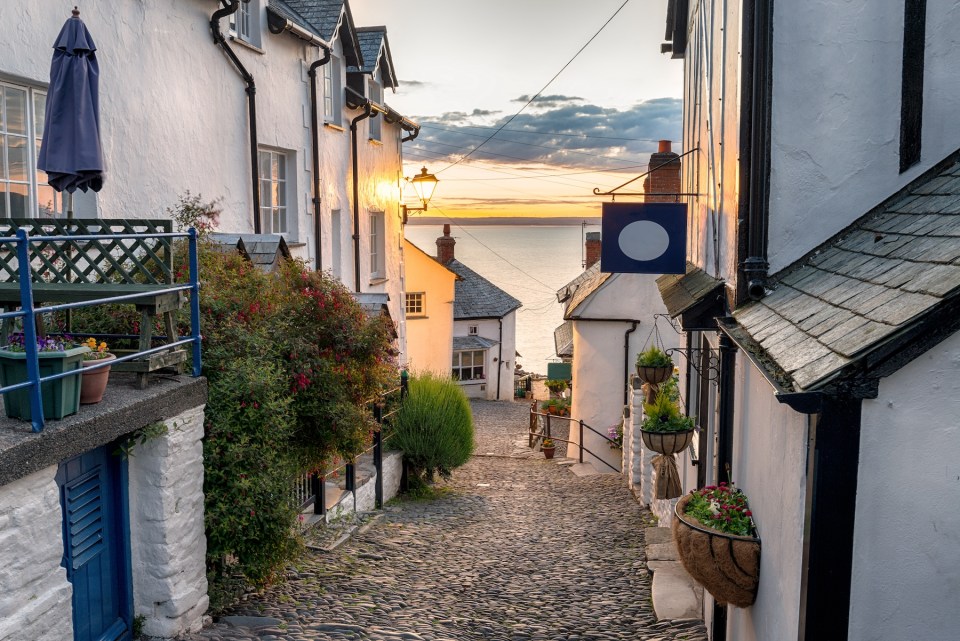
(424, 184)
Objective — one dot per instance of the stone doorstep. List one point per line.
(661, 551)
(674, 594)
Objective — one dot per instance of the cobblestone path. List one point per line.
(516, 549)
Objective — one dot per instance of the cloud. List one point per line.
(553, 99)
(414, 83)
(580, 136)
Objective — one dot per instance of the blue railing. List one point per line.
(28, 312)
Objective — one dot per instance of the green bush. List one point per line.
(434, 427)
(653, 357)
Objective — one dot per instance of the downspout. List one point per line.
(356, 193)
(500, 358)
(757, 48)
(230, 7)
(314, 119)
(626, 360)
(728, 352)
(413, 133)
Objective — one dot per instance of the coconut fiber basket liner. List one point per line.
(728, 566)
(667, 442)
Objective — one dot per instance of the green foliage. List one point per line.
(722, 507)
(663, 415)
(138, 437)
(556, 386)
(653, 357)
(434, 427)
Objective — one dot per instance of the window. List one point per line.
(23, 188)
(473, 330)
(377, 246)
(273, 192)
(245, 22)
(414, 306)
(375, 94)
(335, 241)
(468, 365)
(332, 92)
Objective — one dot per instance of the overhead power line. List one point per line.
(536, 133)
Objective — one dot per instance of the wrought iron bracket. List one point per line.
(693, 358)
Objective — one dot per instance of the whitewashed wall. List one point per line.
(836, 113)
(34, 592)
(430, 337)
(769, 465)
(490, 328)
(906, 546)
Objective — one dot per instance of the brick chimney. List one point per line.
(591, 249)
(445, 246)
(665, 179)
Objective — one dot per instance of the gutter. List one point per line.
(231, 7)
(367, 111)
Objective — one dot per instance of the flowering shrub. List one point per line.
(44, 344)
(615, 434)
(722, 507)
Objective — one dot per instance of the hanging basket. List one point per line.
(667, 442)
(726, 565)
(654, 375)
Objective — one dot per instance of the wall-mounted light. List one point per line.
(424, 184)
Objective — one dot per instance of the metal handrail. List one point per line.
(581, 447)
(28, 312)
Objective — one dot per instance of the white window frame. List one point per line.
(277, 202)
(473, 330)
(415, 304)
(333, 93)
(375, 94)
(34, 181)
(458, 367)
(245, 22)
(336, 231)
(378, 246)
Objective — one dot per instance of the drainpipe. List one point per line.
(314, 119)
(500, 358)
(356, 193)
(626, 360)
(412, 127)
(728, 351)
(230, 7)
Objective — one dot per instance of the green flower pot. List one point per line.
(60, 397)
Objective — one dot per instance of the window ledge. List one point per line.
(292, 244)
(479, 381)
(247, 45)
(374, 141)
(335, 127)
(417, 317)
(378, 281)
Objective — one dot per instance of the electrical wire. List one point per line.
(544, 88)
(539, 133)
(525, 144)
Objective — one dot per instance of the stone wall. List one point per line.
(168, 545)
(34, 592)
(367, 490)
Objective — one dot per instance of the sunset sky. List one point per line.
(466, 67)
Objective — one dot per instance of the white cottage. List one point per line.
(826, 378)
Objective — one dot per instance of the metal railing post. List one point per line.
(194, 300)
(404, 384)
(378, 463)
(351, 480)
(315, 490)
(581, 440)
(320, 503)
(549, 434)
(29, 330)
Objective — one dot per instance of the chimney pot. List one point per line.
(446, 230)
(664, 147)
(445, 246)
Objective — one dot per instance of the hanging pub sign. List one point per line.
(644, 238)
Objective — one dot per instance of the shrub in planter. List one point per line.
(717, 543)
(654, 366)
(556, 386)
(434, 427)
(665, 429)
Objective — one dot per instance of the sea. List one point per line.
(530, 262)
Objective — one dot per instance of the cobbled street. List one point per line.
(517, 547)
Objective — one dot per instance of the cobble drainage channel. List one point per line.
(514, 548)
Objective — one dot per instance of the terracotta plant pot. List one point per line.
(548, 451)
(654, 375)
(727, 566)
(94, 383)
(667, 442)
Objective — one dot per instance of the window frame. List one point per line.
(457, 366)
(473, 330)
(375, 94)
(333, 93)
(414, 304)
(35, 180)
(245, 23)
(277, 212)
(376, 234)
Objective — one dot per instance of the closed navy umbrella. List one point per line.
(70, 152)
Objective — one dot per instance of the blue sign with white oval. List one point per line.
(644, 238)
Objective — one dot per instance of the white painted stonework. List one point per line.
(500, 359)
(366, 499)
(34, 593)
(168, 545)
(906, 552)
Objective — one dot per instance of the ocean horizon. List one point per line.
(530, 262)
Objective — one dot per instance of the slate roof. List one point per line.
(563, 340)
(265, 251)
(681, 292)
(578, 289)
(476, 297)
(375, 49)
(472, 342)
(892, 268)
(323, 17)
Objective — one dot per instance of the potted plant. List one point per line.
(665, 429)
(615, 435)
(718, 544)
(61, 397)
(556, 386)
(549, 406)
(548, 447)
(654, 366)
(563, 407)
(93, 383)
